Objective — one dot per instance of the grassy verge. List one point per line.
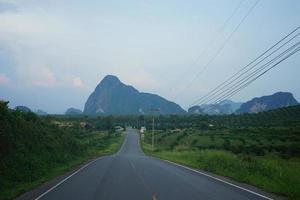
(96, 143)
(268, 172)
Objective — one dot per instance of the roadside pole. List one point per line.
(153, 111)
(153, 133)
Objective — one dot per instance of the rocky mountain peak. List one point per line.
(264, 103)
(110, 80)
(111, 96)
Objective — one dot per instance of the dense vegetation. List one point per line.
(34, 149)
(289, 117)
(260, 149)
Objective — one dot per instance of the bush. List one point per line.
(227, 145)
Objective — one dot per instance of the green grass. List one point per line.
(107, 146)
(269, 172)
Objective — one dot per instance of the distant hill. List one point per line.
(40, 112)
(196, 110)
(265, 103)
(22, 108)
(111, 96)
(223, 108)
(73, 111)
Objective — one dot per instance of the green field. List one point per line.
(34, 149)
(266, 155)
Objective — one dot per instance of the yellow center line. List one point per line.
(143, 181)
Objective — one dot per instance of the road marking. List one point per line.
(125, 139)
(143, 181)
(140, 146)
(154, 197)
(132, 165)
(55, 186)
(218, 179)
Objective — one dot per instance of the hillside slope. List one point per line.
(111, 96)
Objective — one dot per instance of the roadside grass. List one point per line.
(97, 144)
(269, 172)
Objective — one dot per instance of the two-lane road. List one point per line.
(129, 174)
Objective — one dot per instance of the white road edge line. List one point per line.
(124, 141)
(218, 179)
(62, 181)
(55, 186)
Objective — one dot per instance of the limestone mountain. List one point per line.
(111, 96)
(264, 103)
(223, 108)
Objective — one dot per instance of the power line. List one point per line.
(233, 77)
(223, 44)
(248, 82)
(212, 40)
(253, 74)
(240, 78)
(255, 78)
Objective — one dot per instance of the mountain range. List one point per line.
(112, 97)
(225, 107)
(255, 105)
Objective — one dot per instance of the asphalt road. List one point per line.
(129, 174)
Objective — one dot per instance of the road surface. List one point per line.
(129, 174)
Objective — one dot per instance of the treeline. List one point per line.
(99, 123)
(288, 116)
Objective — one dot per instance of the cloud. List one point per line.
(77, 83)
(7, 6)
(140, 78)
(44, 78)
(35, 75)
(8, 1)
(67, 47)
(4, 79)
(27, 25)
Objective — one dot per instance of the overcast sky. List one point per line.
(54, 53)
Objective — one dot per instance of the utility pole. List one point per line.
(153, 110)
(153, 133)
